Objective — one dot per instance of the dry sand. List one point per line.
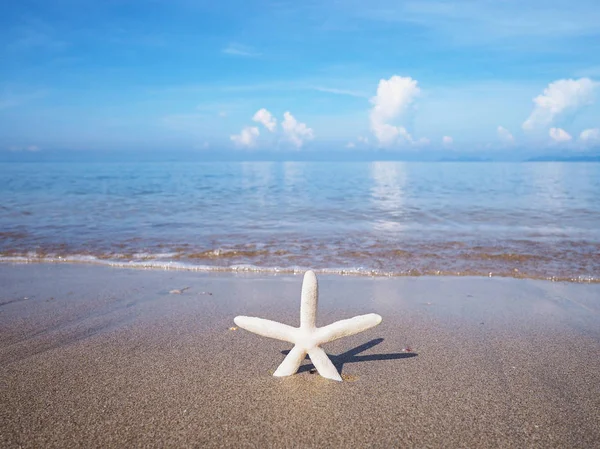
(100, 357)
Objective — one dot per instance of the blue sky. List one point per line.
(330, 75)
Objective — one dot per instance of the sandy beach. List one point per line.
(95, 356)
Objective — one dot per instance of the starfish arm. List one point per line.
(266, 328)
(319, 358)
(344, 328)
(291, 363)
(308, 303)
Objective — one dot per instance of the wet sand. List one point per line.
(102, 357)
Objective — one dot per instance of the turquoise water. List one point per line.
(390, 218)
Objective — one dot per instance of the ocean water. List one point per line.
(539, 220)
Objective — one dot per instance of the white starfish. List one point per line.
(308, 337)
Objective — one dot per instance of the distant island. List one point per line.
(573, 158)
(180, 155)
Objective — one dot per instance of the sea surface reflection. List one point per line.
(393, 218)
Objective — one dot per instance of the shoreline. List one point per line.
(102, 357)
(249, 268)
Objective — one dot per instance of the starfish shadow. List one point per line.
(352, 356)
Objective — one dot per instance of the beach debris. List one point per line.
(10, 301)
(308, 337)
(205, 293)
(233, 328)
(179, 291)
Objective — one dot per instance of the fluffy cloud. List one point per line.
(393, 98)
(247, 137)
(263, 116)
(295, 131)
(505, 136)
(447, 140)
(559, 135)
(562, 96)
(590, 135)
(403, 134)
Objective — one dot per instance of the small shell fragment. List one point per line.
(349, 377)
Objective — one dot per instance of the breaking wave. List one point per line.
(219, 261)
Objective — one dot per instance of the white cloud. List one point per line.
(559, 135)
(447, 140)
(394, 97)
(296, 132)
(36, 35)
(506, 25)
(350, 145)
(266, 118)
(562, 96)
(363, 139)
(404, 134)
(247, 137)
(9, 98)
(590, 135)
(240, 50)
(333, 90)
(386, 134)
(505, 136)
